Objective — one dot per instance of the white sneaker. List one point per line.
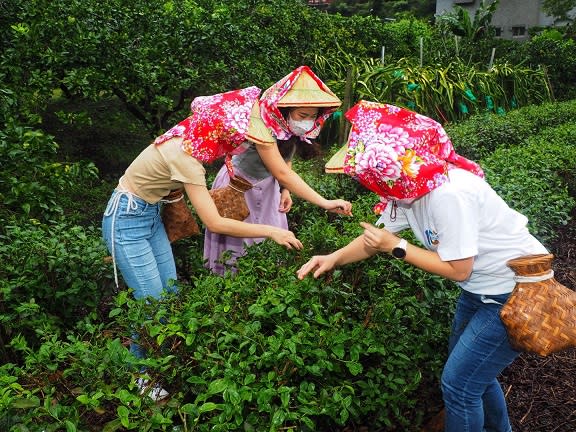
(155, 392)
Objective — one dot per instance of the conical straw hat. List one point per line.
(307, 92)
(257, 131)
(336, 163)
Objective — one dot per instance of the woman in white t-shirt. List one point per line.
(469, 234)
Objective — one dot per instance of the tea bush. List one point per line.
(260, 351)
(483, 134)
(528, 156)
(51, 277)
(363, 345)
(32, 178)
(534, 179)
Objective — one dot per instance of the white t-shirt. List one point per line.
(466, 218)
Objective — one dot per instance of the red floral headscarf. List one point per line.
(217, 126)
(221, 123)
(398, 153)
(272, 98)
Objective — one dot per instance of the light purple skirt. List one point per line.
(263, 201)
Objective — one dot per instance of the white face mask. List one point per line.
(300, 127)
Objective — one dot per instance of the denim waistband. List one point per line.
(487, 298)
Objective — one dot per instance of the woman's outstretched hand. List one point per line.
(285, 238)
(339, 206)
(319, 264)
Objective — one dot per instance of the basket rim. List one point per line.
(531, 259)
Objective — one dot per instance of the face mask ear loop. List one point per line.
(393, 211)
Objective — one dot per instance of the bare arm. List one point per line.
(208, 213)
(375, 240)
(384, 241)
(294, 183)
(285, 198)
(354, 251)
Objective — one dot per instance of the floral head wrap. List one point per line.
(398, 153)
(300, 88)
(218, 124)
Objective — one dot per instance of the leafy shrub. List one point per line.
(532, 179)
(260, 351)
(364, 36)
(559, 57)
(84, 203)
(8, 103)
(31, 177)
(52, 277)
(484, 133)
(77, 384)
(364, 344)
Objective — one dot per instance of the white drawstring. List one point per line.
(111, 211)
(540, 278)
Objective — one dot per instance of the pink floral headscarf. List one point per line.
(217, 126)
(398, 153)
(273, 118)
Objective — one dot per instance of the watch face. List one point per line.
(398, 253)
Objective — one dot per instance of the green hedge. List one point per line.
(482, 134)
(260, 351)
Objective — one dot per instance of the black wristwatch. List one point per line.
(399, 250)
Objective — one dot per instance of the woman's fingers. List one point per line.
(319, 264)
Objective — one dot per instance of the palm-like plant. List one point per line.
(458, 21)
(448, 92)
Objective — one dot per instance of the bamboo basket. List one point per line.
(178, 220)
(540, 314)
(230, 199)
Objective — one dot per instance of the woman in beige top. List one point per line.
(220, 126)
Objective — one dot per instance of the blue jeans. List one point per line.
(479, 351)
(136, 238)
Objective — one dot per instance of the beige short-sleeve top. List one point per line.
(159, 169)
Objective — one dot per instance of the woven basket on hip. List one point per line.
(177, 217)
(540, 314)
(230, 200)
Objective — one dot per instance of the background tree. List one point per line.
(559, 9)
(384, 8)
(350, 7)
(153, 58)
(417, 8)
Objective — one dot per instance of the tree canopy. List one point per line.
(153, 56)
(559, 8)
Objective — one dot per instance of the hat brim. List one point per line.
(257, 132)
(309, 91)
(309, 98)
(336, 163)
